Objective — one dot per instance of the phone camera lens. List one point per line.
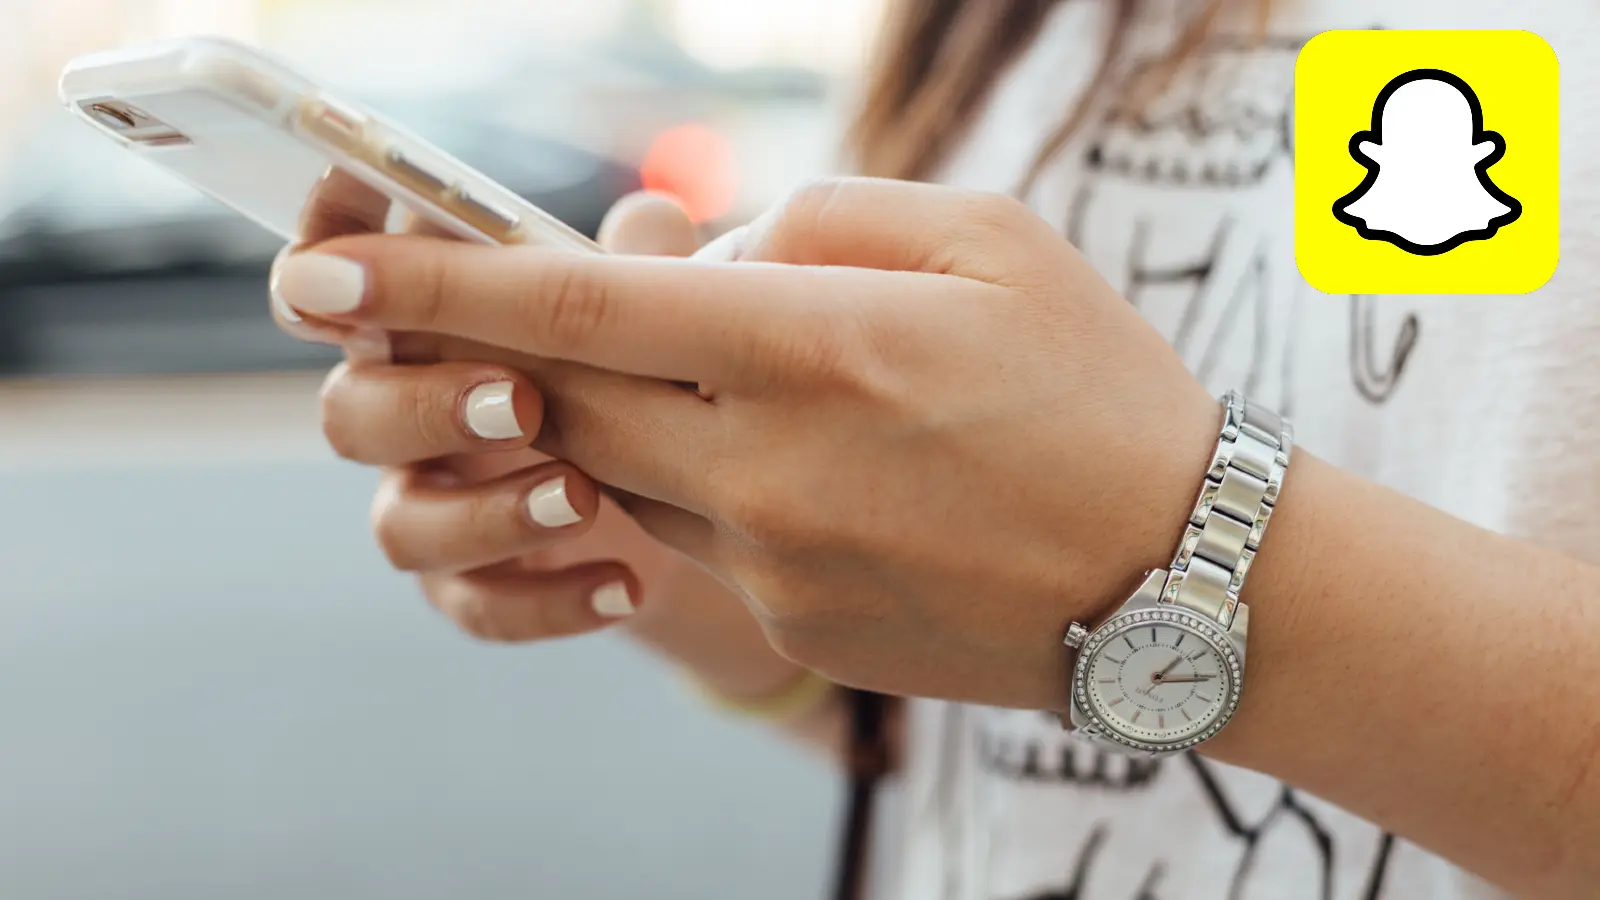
(111, 117)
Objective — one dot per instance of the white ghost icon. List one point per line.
(1427, 189)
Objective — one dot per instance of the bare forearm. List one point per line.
(1434, 677)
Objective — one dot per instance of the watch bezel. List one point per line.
(1117, 625)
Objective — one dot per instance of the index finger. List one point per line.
(731, 324)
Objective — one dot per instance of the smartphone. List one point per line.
(271, 144)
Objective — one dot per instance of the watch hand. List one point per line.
(1161, 675)
(1184, 679)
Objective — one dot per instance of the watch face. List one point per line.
(1158, 679)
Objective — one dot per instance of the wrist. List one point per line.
(1139, 510)
(1162, 501)
(1291, 566)
(1135, 663)
(1140, 529)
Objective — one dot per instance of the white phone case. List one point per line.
(261, 138)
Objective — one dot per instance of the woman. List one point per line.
(918, 433)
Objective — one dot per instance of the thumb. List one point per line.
(646, 224)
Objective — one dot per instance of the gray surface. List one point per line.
(148, 326)
(211, 686)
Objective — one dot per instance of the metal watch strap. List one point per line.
(1230, 517)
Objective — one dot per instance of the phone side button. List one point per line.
(482, 213)
(415, 176)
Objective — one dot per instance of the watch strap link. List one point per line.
(1231, 514)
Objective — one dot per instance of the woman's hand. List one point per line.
(927, 435)
(940, 436)
(509, 544)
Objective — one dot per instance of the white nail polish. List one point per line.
(490, 413)
(320, 284)
(282, 307)
(727, 247)
(612, 600)
(549, 506)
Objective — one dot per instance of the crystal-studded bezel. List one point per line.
(1169, 614)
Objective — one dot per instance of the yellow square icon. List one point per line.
(1427, 162)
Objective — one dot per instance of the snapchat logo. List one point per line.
(1428, 189)
(1427, 162)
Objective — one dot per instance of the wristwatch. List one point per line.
(1164, 672)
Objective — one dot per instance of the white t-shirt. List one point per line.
(1486, 407)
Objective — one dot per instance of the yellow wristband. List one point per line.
(806, 694)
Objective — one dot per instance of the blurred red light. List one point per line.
(694, 164)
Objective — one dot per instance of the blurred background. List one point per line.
(210, 684)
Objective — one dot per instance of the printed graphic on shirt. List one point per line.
(1221, 276)
(1376, 372)
(1220, 280)
(1173, 828)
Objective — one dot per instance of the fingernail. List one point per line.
(727, 247)
(318, 283)
(549, 506)
(612, 600)
(282, 307)
(490, 413)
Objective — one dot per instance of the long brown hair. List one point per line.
(937, 61)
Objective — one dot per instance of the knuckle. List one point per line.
(439, 590)
(476, 616)
(430, 412)
(487, 517)
(431, 278)
(341, 439)
(815, 355)
(570, 305)
(340, 426)
(997, 213)
(1009, 223)
(993, 238)
(811, 198)
(391, 533)
(803, 214)
(838, 353)
(464, 604)
(833, 353)
(985, 224)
